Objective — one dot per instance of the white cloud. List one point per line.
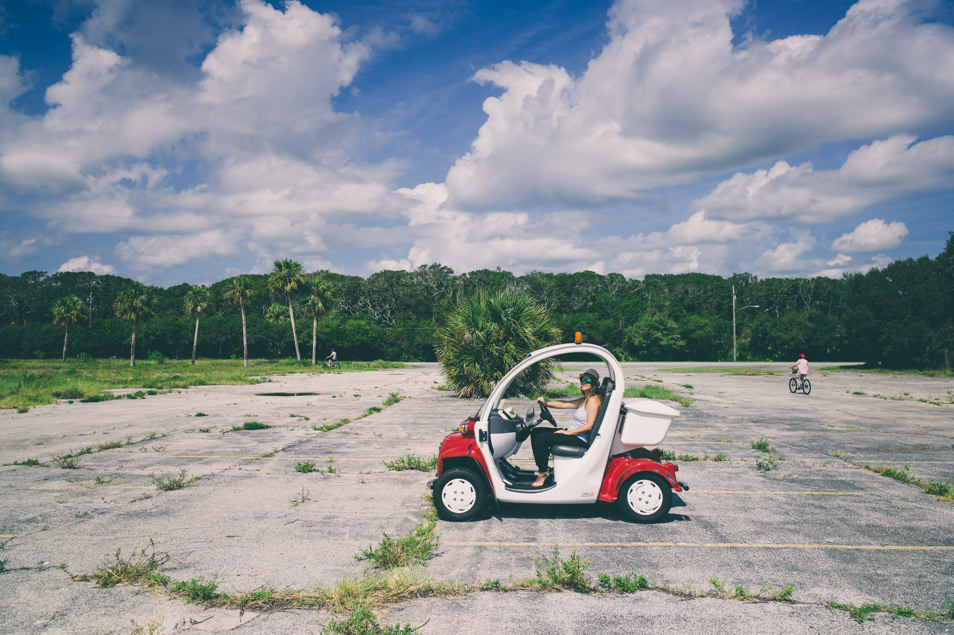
(466, 241)
(87, 263)
(669, 98)
(879, 171)
(146, 252)
(257, 118)
(872, 235)
(789, 258)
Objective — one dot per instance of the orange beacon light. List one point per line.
(578, 338)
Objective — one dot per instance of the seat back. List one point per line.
(606, 389)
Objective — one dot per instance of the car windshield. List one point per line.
(553, 378)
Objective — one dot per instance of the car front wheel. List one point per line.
(645, 498)
(459, 494)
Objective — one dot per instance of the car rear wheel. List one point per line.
(645, 498)
(459, 494)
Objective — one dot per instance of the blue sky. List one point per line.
(184, 141)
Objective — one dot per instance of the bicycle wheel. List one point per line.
(792, 385)
(806, 386)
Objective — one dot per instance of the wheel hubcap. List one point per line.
(459, 495)
(645, 497)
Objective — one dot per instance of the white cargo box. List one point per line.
(647, 422)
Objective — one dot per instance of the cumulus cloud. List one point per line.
(670, 98)
(466, 241)
(882, 170)
(872, 235)
(144, 252)
(256, 119)
(87, 263)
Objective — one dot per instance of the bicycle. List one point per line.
(793, 385)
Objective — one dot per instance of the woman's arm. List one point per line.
(592, 409)
(561, 403)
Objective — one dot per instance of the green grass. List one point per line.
(762, 445)
(412, 462)
(28, 463)
(650, 391)
(937, 372)
(725, 371)
(35, 382)
(305, 467)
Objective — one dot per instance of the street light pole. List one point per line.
(735, 355)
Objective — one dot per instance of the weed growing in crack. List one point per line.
(301, 497)
(152, 627)
(412, 462)
(630, 583)
(944, 491)
(762, 445)
(305, 467)
(140, 568)
(863, 612)
(28, 463)
(193, 590)
(109, 445)
(554, 573)
(173, 482)
(248, 425)
(766, 463)
(67, 461)
(413, 548)
(362, 620)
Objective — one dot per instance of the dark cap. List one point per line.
(589, 372)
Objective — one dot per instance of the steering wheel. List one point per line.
(545, 413)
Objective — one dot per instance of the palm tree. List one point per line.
(67, 311)
(239, 291)
(286, 278)
(133, 304)
(196, 301)
(487, 335)
(317, 305)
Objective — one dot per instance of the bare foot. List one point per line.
(541, 479)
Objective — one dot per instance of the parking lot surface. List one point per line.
(816, 519)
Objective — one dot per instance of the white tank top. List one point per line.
(579, 418)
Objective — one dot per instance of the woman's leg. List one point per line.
(540, 441)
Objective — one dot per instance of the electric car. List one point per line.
(476, 464)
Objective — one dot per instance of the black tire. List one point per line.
(806, 386)
(644, 498)
(792, 385)
(459, 494)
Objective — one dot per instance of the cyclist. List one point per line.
(332, 358)
(800, 367)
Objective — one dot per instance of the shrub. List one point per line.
(487, 334)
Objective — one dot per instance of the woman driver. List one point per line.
(583, 419)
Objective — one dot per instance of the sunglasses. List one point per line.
(587, 380)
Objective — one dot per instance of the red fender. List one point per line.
(621, 468)
(462, 445)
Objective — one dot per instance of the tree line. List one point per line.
(898, 316)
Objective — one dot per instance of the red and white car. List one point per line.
(474, 467)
